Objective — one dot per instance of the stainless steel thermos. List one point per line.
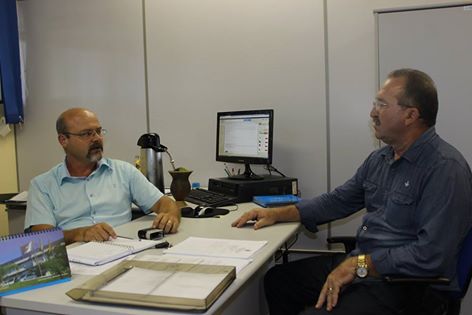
(151, 159)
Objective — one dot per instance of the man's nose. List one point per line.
(373, 112)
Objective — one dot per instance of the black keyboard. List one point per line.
(206, 198)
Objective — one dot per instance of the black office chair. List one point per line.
(452, 305)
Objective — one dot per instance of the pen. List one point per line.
(129, 238)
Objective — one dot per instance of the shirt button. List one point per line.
(364, 228)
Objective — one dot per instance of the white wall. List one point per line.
(80, 53)
(207, 56)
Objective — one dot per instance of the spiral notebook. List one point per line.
(99, 253)
(32, 260)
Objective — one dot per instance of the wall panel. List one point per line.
(80, 53)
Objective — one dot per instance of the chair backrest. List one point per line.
(464, 264)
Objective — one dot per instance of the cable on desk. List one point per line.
(271, 169)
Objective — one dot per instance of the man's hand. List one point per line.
(167, 215)
(263, 217)
(98, 232)
(167, 221)
(342, 275)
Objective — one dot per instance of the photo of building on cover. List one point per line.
(32, 259)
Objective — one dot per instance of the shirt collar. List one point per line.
(63, 172)
(415, 149)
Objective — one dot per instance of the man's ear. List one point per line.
(62, 139)
(412, 115)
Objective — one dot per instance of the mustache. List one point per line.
(376, 121)
(96, 145)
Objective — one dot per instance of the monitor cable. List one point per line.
(271, 169)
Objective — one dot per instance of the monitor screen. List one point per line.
(245, 137)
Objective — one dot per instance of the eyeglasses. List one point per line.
(379, 104)
(88, 134)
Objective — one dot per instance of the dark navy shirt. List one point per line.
(419, 208)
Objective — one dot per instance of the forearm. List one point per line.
(166, 205)
(286, 214)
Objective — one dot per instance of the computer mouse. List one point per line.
(188, 212)
(211, 212)
(202, 212)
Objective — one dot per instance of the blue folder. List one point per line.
(275, 200)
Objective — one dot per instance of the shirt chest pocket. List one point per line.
(400, 210)
(370, 196)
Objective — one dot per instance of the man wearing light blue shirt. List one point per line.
(87, 194)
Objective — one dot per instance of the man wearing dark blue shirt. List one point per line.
(417, 191)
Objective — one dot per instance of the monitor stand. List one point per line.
(247, 175)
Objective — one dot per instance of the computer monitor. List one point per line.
(245, 137)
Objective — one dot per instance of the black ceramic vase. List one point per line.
(180, 186)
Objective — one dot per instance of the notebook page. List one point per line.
(137, 244)
(96, 253)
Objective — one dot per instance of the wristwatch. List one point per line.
(362, 271)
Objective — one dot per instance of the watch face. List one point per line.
(361, 272)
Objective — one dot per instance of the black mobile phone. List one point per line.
(151, 234)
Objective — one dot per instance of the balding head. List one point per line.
(77, 113)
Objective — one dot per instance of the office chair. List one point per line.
(452, 299)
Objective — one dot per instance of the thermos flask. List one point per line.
(151, 159)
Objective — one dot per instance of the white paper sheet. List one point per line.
(214, 247)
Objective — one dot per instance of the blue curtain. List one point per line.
(10, 70)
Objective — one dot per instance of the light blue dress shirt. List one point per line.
(419, 208)
(68, 202)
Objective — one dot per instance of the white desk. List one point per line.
(244, 296)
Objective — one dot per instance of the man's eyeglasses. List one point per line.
(379, 104)
(88, 134)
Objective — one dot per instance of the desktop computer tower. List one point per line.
(244, 190)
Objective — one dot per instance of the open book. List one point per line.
(157, 284)
(99, 253)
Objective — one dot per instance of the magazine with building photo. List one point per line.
(32, 260)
